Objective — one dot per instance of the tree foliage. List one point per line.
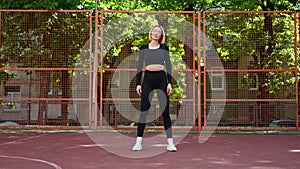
(44, 40)
(40, 4)
(267, 38)
(271, 46)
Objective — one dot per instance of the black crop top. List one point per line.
(153, 56)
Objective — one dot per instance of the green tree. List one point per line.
(40, 4)
(268, 38)
(274, 48)
(44, 40)
(263, 56)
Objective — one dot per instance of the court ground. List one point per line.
(37, 150)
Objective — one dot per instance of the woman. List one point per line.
(155, 56)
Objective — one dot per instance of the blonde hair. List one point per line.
(162, 39)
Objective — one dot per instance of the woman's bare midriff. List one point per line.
(155, 67)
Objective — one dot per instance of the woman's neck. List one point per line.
(154, 44)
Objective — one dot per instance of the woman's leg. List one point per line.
(145, 106)
(164, 104)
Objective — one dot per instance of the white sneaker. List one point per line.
(171, 146)
(138, 144)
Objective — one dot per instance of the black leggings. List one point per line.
(155, 80)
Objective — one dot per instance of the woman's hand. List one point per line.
(169, 89)
(139, 90)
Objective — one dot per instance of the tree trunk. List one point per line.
(44, 88)
(45, 79)
(107, 75)
(65, 81)
(189, 60)
(263, 76)
(65, 94)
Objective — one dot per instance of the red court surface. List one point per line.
(78, 151)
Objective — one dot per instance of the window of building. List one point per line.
(54, 91)
(115, 82)
(253, 81)
(12, 92)
(217, 80)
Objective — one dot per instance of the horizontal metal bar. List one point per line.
(250, 70)
(251, 100)
(23, 68)
(50, 99)
(60, 11)
(134, 69)
(248, 12)
(154, 12)
(138, 99)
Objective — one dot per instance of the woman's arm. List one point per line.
(139, 66)
(168, 64)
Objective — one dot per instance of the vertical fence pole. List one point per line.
(96, 73)
(204, 73)
(101, 67)
(296, 65)
(91, 71)
(199, 73)
(194, 70)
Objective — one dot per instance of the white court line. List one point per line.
(33, 159)
(23, 139)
